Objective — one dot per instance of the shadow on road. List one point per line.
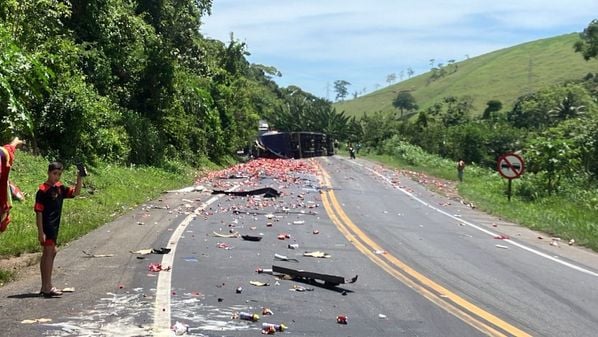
(26, 295)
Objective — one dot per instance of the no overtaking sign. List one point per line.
(510, 165)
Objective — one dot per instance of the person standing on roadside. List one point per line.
(351, 151)
(460, 168)
(48, 210)
(7, 158)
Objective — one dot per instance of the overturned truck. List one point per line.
(275, 144)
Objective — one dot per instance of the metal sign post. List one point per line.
(510, 166)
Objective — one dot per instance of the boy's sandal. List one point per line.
(52, 293)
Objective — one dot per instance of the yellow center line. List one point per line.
(401, 271)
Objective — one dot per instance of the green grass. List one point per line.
(501, 75)
(440, 171)
(557, 216)
(108, 192)
(6, 276)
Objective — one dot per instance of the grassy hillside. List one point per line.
(503, 75)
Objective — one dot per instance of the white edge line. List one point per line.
(162, 319)
(493, 234)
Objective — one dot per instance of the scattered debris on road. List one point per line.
(36, 320)
(221, 235)
(88, 254)
(196, 188)
(267, 192)
(302, 275)
(269, 327)
(180, 328)
(151, 251)
(317, 254)
(156, 267)
(245, 316)
(251, 237)
(300, 288)
(284, 258)
(555, 242)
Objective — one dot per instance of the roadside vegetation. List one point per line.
(135, 82)
(554, 127)
(108, 192)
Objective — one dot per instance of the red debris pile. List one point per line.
(279, 169)
(445, 187)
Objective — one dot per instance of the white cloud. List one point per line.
(318, 41)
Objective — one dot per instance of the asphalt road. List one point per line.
(427, 265)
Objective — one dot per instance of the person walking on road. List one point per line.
(48, 209)
(460, 168)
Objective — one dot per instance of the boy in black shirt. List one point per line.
(48, 209)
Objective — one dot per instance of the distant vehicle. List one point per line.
(275, 144)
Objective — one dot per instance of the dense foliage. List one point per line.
(555, 129)
(134, 81)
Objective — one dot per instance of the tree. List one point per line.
(340, 87)
(391, 78)
(303, 111)
(457, 110)
(404, 102)
(491, 106)
(453, 66)
(566, 108)
(466, 141)
(529, 112)
(549, 106)
(588, 45)
(552, 158)
(410, 72)
(23, 81)
(377, 128)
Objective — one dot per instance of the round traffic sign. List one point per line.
(510, 165)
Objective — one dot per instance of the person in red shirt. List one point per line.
(48, 210)
(7, 158)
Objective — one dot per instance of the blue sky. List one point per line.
(316, 42)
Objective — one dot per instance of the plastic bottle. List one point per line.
(249, 317)
(278, 327)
